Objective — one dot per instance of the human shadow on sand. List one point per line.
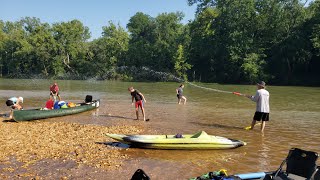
(9, 120)
(5, 118)
(217, 125)
(115, 144)
(120, 117)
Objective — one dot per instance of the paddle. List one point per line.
(249, 127)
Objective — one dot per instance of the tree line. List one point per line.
(229, 41)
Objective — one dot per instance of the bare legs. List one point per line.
(11, 115)
(184, 100)
(137, 113)
(54, 97)
(263, 124)
(143, 113)
(253, 123)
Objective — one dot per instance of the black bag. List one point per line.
(88, 99)
(140, 175)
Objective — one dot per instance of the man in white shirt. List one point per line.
(262, 109)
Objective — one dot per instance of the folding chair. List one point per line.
(317, 175)
(300, 163)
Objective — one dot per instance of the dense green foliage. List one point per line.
(229, 41)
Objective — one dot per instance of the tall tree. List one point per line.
(40, 48)
(202, 45)
(181, 66)
(167, 33)
(141, 28)
(14, 44)
(154, 41)
(72, 46)
(110, 50)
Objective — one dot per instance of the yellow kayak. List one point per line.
(200, 140)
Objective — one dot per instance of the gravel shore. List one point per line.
(51, 150)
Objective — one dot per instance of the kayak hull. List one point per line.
(188, 141)
(35, 114)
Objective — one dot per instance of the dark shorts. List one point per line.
(179, 96)
(258, 116)
(9, 103)
(52, 94)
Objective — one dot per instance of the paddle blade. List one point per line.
(249, 127)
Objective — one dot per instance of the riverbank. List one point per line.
(293, 123)
(58, 150)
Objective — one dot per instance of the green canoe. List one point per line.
(34, 114)
(200, 140)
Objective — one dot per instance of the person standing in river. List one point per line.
(262, 105)
(140, 100)
(180, 96)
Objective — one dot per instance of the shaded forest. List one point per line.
(229, 41)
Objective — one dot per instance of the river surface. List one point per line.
(294, 122)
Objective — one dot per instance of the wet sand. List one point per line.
(58, 150)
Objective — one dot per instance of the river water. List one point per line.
(294, 122)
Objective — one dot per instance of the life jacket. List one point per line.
(49, 104)
(71, 104)
(56, 105)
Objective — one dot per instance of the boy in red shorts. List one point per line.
(140, 100)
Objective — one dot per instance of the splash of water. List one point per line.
(210, 89)
(163, 76)
(168, 76)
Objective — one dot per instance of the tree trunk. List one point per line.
(66, 61)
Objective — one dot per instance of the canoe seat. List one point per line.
(200, 134)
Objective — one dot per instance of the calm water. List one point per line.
(295, 113)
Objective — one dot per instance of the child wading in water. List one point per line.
(140, 100)
(179, 94)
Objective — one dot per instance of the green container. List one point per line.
(34, 114)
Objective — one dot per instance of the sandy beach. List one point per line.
(58, 150)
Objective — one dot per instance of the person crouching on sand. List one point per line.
(14, 103)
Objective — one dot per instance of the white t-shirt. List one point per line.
(262, 100)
